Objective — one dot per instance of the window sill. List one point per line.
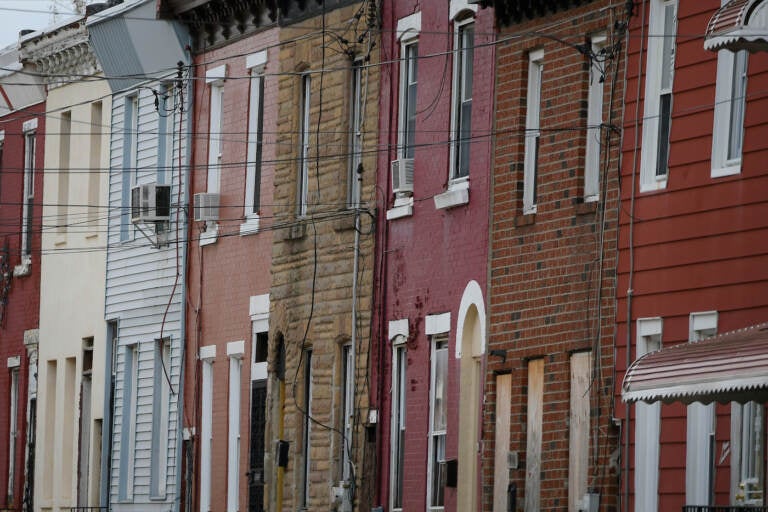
(403, 208)
(210, 235)
(454, 196)
(250, 226)
(585, 208)
(24, 268)
(526, 219)
(728, 170)
(659, 184)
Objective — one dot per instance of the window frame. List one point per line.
(256, 66)
(437, 437)
(207, 357)
(408, 31)
(595, 117)
(130, 162)
(356, 123)
(13, 431)
(532, 130)
(235, 353)
(398, 426)
(651, 177)
(128, 423)
(215, 131)
(302, 183)
(160, 411)
(30, 154)
(461, 95)
(730, 67)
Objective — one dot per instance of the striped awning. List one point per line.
(731, 367)
(739, 25)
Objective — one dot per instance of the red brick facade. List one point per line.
(553, 271)
(19, 296)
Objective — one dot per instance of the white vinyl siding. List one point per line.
(532, 133)
(128, 430)
(657, 117)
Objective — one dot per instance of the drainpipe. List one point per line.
(353, 333)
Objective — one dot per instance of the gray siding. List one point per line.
(140, 286)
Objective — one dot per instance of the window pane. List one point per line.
(409, 116)
(438, 471)
(738, 99)
(441, 392)
(665, 119)
(668, 48)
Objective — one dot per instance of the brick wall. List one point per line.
(553, 272)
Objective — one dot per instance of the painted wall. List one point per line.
(427, 260)
(700, 243)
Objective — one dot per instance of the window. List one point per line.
(657, 119)
(130, 159)
(532, 133)
(215, 135)
(399, 400)
(94, 177)
(306, 469)
(747, 463)
(700, 436)
(65, 130)
(128, 422)
(165, 126)
(2, 145)
(348, 410)
(356, 135)
(29, 190)
(207, 356)
(256, 64)
(438, 422)
(647, 426)
(462, 100)
(303, 175)
(730, 104)
(13, 433)
(235, 352)
(409, 62)
(594, 123)
(160, 407)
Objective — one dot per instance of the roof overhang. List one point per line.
(731, 367)
(739, 25)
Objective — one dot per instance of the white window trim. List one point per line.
(356, 122)
(437, 324)
(649, 181)
(532, 127)
(456, 7)
(255, 64)
(305, 103)
(700, 425)
(398, 329)
(399, 401)
(159, 459)
(215, 124)
(130, 159)
(259, 313)
(207, 356)
(235, 352)
(128, 422)
(347, 408)
(456, 100)
(592, 155)
(409, 27)
(13, 431)
(438, 338)
(721, 130)
(647, 426)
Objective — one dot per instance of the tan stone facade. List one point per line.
(313, 306)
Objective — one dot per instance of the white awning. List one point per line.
(739, 25)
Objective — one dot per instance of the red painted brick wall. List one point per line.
(222, 277)
(553, 272)
(425, 261)
(22, 304)
(698, 245)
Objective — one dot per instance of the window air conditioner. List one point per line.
(402, 176)
(206, 206)
(150, 202)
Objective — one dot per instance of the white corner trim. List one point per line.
(451, 198)
(409, 26)
(649, 326)
(14, 362)
(473, 296)
(403, 208)
(236, 349)
(457, 6)
(208, 353)
(256, 60)
(437, 324)
(29, 125)
(217, 74)
(250, 226)
(398, 328)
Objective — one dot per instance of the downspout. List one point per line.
(353, 332)
(184, 183)
(631, 248)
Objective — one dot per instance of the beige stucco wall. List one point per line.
(72, 295)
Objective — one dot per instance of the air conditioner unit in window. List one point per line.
(150, 202)
(206, 207)
(402, 176)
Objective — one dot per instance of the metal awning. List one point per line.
(731, 367)
(739, 25)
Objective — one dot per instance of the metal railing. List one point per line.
(88, 509)
(724, 508)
